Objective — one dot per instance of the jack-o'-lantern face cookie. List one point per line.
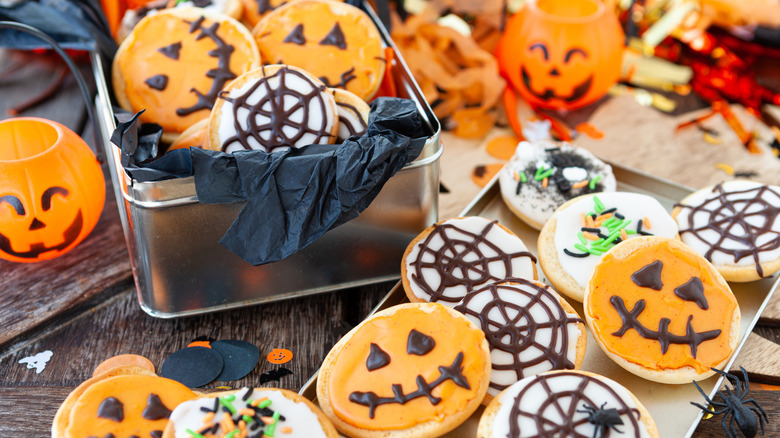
(175, 62)
(411, 370)
(336, 42)
(127, 401)
(661, 311)
(273, 108)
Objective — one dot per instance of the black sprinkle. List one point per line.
(611, 210)
(246, 395)
(552, 150)
(619, 216)
(591, 230)
(574, 254)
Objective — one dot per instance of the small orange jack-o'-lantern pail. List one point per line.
(561, 54)
(52, 189)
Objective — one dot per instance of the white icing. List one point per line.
(522, 266)
(706, 238)
(538, 203)
(633, 206)
(215, 6)
(536, 401)
(313, 111)
(303, 422)
(353, 118)
(545, 342)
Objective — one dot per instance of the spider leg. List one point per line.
(708, 410)
(731, 431)
(756, 406)
(707, 399)
(760, 418)
(745, 382)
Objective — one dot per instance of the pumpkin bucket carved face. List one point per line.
(561, 54)
(52, 189)
(661, 307)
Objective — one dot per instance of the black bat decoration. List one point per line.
(274, 375)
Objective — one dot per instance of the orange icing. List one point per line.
(452, 336)
(133, 391)
(142, 60)
(612, 276)
(363, 49)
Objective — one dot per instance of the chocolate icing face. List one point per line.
(528, 330)
(739, 220)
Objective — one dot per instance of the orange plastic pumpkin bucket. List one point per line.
(52, 189)
(561, 54)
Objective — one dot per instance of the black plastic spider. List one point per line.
(602, 418)
(735, 406)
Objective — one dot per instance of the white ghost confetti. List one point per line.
(38, 361)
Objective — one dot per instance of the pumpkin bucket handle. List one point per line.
(72, 66)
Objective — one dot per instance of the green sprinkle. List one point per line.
(582, 238)
(596, 242)
(523, 178)
(225, 401)
(612, 237)
(548, 173)
(538, 174)
(247, 419)
(599, 204)
(581, 247)
(193, 433)
(595, 252)
(232, 434)
(628, 231)
(269, 431)
(230, 397)
(593, 182)
(626, 222)
(264, 404)
(609, 222)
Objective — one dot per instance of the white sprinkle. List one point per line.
(575, 174)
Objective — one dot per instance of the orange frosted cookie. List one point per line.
(661, 311)
(175, 62)
(410, 370)
(124, 401)
(335, 42)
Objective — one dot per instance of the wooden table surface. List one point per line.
(83, 307)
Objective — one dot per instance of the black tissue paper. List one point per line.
(292, 197)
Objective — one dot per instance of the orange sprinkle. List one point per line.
(646, 223)
(227, 423)
(598, 222)
(246, 411)
(241, 425)
(590, 222)
(603, 217)
(205, 428)
(582, 218)
(590, 236)
(208, 417)
(580, 184)
(258, 401)
(623, 234)
(267, 420)
(286, 429)
(516, 176)
(544, 183)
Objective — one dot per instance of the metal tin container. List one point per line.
(181, 269)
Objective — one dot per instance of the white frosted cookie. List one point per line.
(566, 403)
(529, 327)
(736, 226)
(263, 411)
(542, 175)
(455, 256)
(574, 239)
(273, 108)
(353, 114)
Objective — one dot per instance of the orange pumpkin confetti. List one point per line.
(590, 130)
(502, 147)
(483, 174)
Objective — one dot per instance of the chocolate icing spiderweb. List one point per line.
(740, 219)
(268, 121)
(462, 258)
(516, 332)
(561, 406)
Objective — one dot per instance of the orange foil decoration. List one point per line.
(52, 189)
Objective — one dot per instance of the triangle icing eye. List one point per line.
(377, 358)
(171, 51)
(419, 344)
(296, 36)
(158, 82)
(335, 38)
(649, 276)
(693, 290)
(111, 409)
(155, 409)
